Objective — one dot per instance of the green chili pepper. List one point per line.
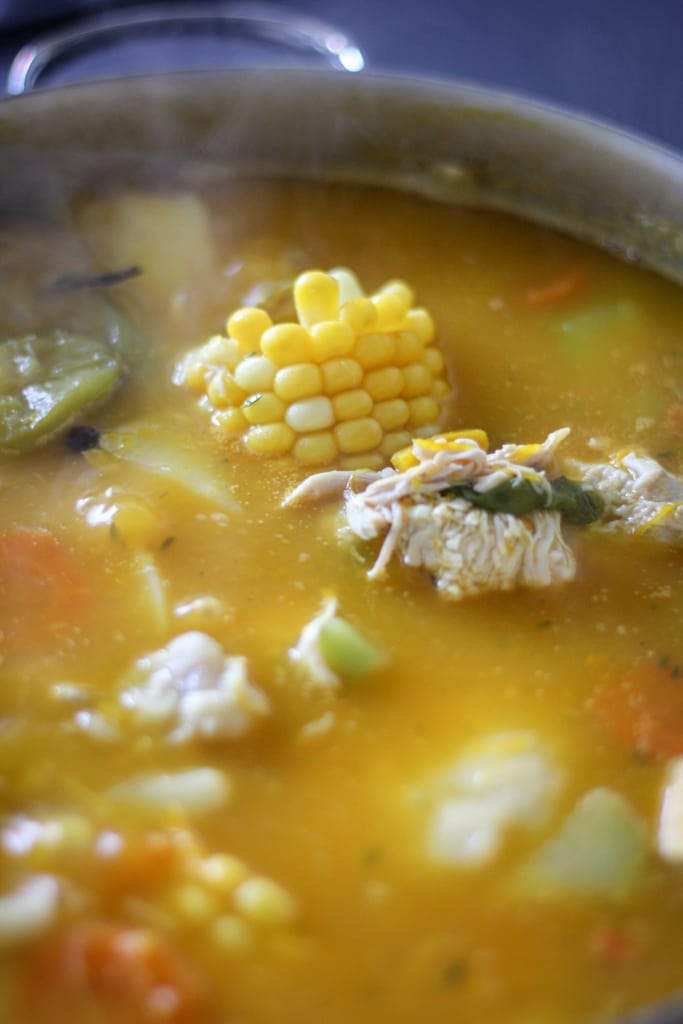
(48, 379)
(519, 496)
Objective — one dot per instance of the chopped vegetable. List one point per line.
(197, 791)
(348, 381)
(43, 592)
(99, 970)
(565, 286)
(643, 707)
(599, 849)
(46, 380)
(330, 650)
(146, 446)
(346, 651)
(519, 495)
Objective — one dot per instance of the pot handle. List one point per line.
(261, 21)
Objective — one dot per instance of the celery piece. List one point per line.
(346, 652)
(46, 380)
(598, 850)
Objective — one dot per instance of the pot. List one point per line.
(442, 139)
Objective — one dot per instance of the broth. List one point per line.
(331, 796)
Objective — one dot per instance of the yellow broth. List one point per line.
(382, 933)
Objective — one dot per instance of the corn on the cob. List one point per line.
(348, 383)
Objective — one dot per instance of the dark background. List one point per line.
(619, 60)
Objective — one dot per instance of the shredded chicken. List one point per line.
(640, 496)
(466, 549)
(192, 690)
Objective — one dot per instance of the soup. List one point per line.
(471, 809)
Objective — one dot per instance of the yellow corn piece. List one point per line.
(350, 381)
(316, 298)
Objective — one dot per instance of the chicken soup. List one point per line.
(340, 615)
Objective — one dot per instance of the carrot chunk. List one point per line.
(113, 974)
(44, 594)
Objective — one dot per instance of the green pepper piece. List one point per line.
(519, 496)
(576, 504)
(48, 379)
(346, 652)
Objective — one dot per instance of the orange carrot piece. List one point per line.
(102, 971)
(560, 288)
(643, 708)
(43, 592)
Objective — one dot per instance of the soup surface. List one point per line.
(289, 868)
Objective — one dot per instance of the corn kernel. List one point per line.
(423, 410)
(310, 414)
(193, 372)
(420, 321)
(359, 314)
(408, 349)
(383, 384)
(221, 351)
(391, 310)
(298, 381)
(433, 359)
(316, 298)
(222, 390)
(351, 405)
(440, 388)
(270, 439)
(374, 350)
(349, 285)
(232, 934)
(286, 344)
(401, 288)
(330, 339)
(194, 903)
(229, 421)
(341, 375)
(220, 871)
(256, 373)
(247, 326)
(359, 435)
(264, 902)
(370, 460)
(265, 408)
(417, 380)
(393, 441)
(315, 449)
(391, 414)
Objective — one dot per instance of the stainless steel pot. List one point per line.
(443, 139)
